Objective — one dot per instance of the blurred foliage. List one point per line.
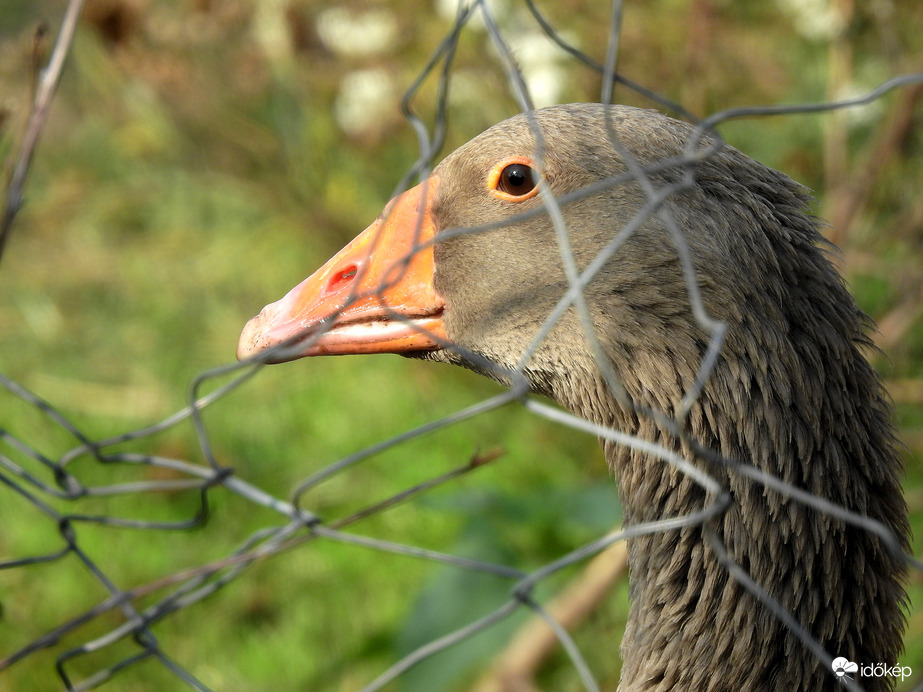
(196, 165)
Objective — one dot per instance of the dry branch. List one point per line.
(47, 85)
(848, 200)
(515, 669)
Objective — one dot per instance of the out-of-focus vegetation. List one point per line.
(202, 157)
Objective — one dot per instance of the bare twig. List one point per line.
(848, 199)
(517, 666)
(47, 84)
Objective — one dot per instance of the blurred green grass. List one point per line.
(189, 174)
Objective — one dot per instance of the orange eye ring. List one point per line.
(514, 179)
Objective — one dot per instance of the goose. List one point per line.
(790, 394)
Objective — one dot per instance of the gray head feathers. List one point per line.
(791, 394)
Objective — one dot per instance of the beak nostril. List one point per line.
(342, 277)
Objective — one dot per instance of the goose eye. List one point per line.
(513, 180)
(516, 179)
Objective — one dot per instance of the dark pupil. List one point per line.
(517, 179)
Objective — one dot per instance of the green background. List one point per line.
(193, 169)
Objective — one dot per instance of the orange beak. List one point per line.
(375, 295)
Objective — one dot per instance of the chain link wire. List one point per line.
(120, 631)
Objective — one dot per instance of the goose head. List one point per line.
(533, 253)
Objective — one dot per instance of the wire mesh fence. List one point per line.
(91, 494)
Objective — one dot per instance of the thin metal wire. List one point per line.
(24, 469)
